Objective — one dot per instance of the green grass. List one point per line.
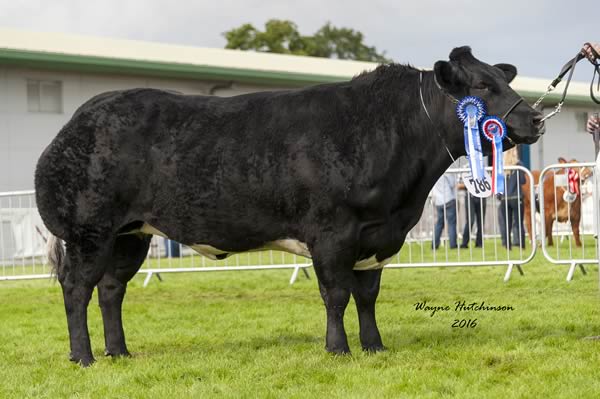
(250, 334)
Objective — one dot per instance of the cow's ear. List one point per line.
(510, 71)
(562, 160)
(449, 76)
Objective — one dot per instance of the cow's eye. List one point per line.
(481, 87)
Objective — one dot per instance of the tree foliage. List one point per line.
(282, 36)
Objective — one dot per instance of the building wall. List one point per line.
(565, 137)
(24, 134)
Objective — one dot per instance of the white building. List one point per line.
(45, 77)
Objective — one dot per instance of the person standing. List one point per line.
(475, 211)
(510, 212)
(444, 200)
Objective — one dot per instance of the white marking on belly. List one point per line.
(286, 245)
(371, 263)
(289, 245)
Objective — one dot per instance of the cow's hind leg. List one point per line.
(127, 257)
(365, 294)
(82, 269)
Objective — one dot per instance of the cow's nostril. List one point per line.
(538, 122)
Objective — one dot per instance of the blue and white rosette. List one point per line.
(470, 111)
(494, 130)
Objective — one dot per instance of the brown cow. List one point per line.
(560, 210)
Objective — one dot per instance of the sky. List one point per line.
(537, 36)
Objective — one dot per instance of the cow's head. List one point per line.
(585, 172)
(465, 75)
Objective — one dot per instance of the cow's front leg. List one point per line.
(549, 223)
(336, 280)
(365, 294)
(336, 299)
(575, 228)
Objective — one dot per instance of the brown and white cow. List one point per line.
(555, 206)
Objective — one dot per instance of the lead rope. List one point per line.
(570, 67)
(429, 117)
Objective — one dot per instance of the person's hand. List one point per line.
(589, 54)
(593, 123)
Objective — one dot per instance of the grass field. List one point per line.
(250, 334)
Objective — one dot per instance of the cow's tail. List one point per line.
(55, 253)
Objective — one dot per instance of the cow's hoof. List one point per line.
(342, 351)
(374, 348)
(117, 353)
(83, 361)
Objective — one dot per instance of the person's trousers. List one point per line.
(476, 216)
(510, 219)
(445, 213)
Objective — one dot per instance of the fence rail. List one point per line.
(495, 249)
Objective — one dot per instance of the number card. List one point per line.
(480, 188)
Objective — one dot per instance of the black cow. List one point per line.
(339, 172)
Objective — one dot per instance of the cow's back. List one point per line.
(188, 161)
(132, 153)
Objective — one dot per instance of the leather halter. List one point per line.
(454, 100)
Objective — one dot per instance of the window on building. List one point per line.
(44, 96)
(581, 118)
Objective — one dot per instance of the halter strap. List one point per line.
(429, 116)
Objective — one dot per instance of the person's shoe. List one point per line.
(464, 246)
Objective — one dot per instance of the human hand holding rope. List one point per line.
(591, 51)
(593, 123)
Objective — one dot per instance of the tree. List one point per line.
(282, 36)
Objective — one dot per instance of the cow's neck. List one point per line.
(445, 132)
(427, 159)
(433, 138)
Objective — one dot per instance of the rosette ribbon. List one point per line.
(494, 130)
(570, 194)
(470, 111)
(573, 180)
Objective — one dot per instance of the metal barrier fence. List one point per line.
(501, 243)
(23, 246)
(572, 224)
(167, 256)
(22, 237)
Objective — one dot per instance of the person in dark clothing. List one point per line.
(510, 212)
(475, 211)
